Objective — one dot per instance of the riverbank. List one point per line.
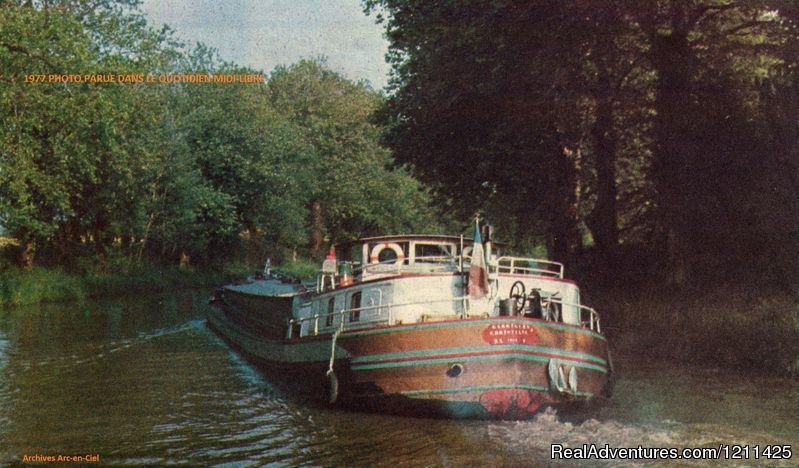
(20, 287)
(749, 329)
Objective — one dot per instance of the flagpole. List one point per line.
(460, 269)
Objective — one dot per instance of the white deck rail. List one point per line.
(529, 266)
(384, 316)
(589, 318)
(506, 264)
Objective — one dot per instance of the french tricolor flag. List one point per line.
(478, 273)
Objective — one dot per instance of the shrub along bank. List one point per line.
(750, 329)
(20, 287)
(26, 287)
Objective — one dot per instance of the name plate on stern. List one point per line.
(510, 333)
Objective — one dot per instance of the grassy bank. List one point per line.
(21, 287)
(743, 328)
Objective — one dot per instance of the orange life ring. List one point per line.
(374, 257)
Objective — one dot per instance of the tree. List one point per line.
(707, 57)
(92, 170)
(643, 123)
(40, 142)
(484, 109)
(349, 188)
(70, 147)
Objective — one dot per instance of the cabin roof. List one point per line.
(418, 237)
(413, 237)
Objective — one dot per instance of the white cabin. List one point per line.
(408, 279)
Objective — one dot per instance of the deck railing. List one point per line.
(522, 265)
(506, 264)
(384, 315)
(589, 317)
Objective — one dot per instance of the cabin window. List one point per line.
(432, 253)
(355, 306)
(331, 309)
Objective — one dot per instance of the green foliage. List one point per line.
(665, 124)
(37, 176)
(196, 173)
(483, 108)
(724, 326)
(346, 172)
(18, 287)
(72, 153)
(299, 269)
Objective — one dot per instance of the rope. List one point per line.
(333, 345)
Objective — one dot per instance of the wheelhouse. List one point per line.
(391, 280)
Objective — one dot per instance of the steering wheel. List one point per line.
(518, 296)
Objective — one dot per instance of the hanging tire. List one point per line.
(332, 387)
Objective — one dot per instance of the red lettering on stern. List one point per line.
(510, 333)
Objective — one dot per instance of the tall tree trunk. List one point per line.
(604, 219)
(565, 241)
(28, 254)
(317, 229)
(673, 60)
(102, 239)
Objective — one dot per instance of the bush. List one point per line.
(741, 328)
(20, 287)
(301, 269)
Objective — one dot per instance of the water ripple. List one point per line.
(143, 385)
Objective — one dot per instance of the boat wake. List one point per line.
(247, 372)
(191, 325)
(4, 383)
(143, 337)
(4, 347)
(535, 439)
(546, 429)
(92, 352)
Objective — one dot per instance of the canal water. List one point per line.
(144, 382)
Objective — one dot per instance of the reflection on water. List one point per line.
(144, 382)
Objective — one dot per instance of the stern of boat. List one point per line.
(497, 368)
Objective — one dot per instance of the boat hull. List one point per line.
(502, 368)
(488, 368)
(296, 366)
